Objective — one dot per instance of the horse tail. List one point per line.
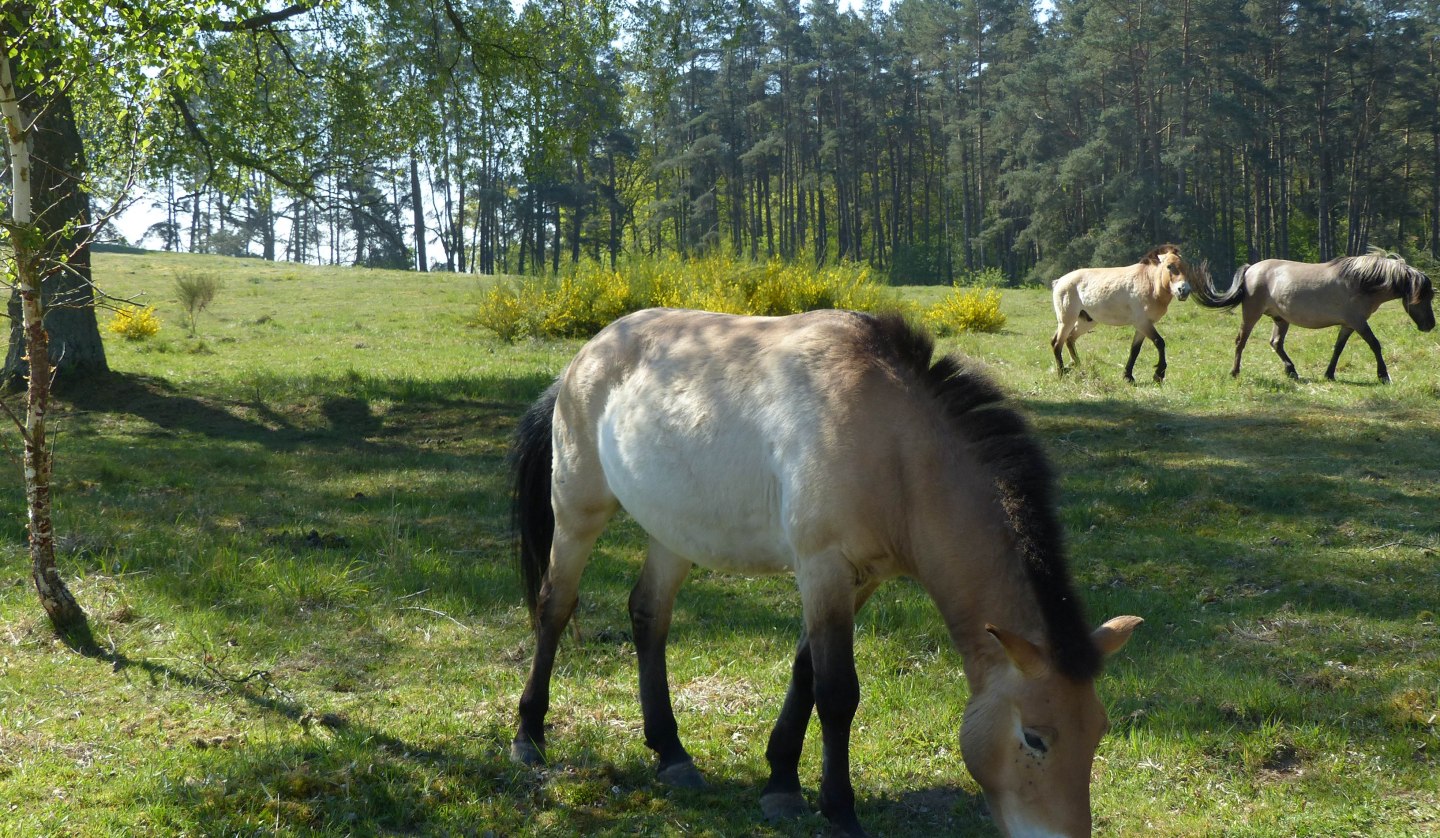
(1207, 296)
(531, 515)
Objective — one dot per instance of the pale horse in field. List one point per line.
(833, 446)
(1136, 295)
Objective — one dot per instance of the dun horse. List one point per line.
(1343, 292)
(1137, 295)
(829, 446)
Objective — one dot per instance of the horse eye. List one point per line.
(1035, 743)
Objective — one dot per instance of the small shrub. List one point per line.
(502, 312)
(966, 311)
(991, 277)
(195, 292)
(135, 323)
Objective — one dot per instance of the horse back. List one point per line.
(739, 442)
(1309, 295)
(1119, 296)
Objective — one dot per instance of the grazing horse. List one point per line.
(1137, 295)
(1343, 292)
(827, 445)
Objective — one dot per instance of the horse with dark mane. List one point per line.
(1136, 295)
(831, 446)
(1343, 292)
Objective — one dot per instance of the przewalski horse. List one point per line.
(1343, 292)
(828, 445)
(1137, 295)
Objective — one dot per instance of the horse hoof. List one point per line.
(524, 752)
(1296, 376)
(681, 775)
(784, 805)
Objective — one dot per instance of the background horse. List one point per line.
(1137, 295)
(826, 445)
(1343, 292)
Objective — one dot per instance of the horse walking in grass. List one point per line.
(827, 445)
(1343, 292)
(1137, 295)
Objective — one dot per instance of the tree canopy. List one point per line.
(929, 138)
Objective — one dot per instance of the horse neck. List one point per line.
(1159, 283)
(965, 558)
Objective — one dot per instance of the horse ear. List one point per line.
(1026, 656)
(1113, 633)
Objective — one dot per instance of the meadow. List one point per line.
(290, 531)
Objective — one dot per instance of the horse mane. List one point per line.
(1153, 256)
(1002, 439)
(1378, 271)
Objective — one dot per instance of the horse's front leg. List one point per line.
(1277, 343)
(1159, 342)
(1135, 344)
(1374, 346)
(652, 603)
(781, 797)
(828, 594)
(1340, 341)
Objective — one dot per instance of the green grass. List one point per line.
(290, 531)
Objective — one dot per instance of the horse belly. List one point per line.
(1111, 304)
(707, 493)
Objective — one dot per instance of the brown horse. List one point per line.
(830, 446)
(1343, 292)
(1137, 295)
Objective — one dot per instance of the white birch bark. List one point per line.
(64, 612)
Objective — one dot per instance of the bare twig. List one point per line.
(436, 613)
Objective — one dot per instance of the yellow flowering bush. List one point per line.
(587, 296)
(963, 310)
(135, 322)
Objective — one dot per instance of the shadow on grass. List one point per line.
(1205, 525)
(350, 778)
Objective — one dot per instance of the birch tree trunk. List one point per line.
(29, 250)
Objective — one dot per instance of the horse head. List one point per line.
(1419, 302)
(1030, 732)
(1177, 273)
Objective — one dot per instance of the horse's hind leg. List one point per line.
(781, 797)
(1277, 343)
(652, 603)
(575, 535)
(1246, 326)
(1059, 340)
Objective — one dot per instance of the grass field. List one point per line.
(290, 532)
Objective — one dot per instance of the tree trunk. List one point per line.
(66, 297)
(29, 241)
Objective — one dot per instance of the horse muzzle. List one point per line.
(1424, 318)
(1183, 293)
